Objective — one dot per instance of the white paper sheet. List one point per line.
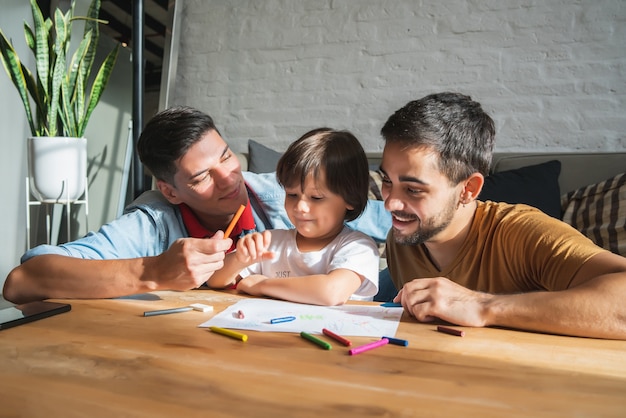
(348, 320)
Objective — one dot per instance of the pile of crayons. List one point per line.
(342, 340)
(325, 345)
(353, 351)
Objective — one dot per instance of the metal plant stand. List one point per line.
(62, 201)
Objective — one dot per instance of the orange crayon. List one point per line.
(232, 224)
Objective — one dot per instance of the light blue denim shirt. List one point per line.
(150, 224)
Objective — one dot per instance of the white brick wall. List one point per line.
(551, 73)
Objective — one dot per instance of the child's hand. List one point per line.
(252, 248)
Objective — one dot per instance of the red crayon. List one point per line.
(450, 331)
(334, 336)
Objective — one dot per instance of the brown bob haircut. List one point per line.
(338, 155)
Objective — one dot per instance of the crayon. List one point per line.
(334, 336)
(367, 347)
(451, 331)
(315, 340)
(282, 319)
(232, 224)
(397, 341)
(229, 333)
(240, 314)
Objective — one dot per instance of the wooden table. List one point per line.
(104, 359)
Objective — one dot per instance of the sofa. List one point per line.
(586, 190)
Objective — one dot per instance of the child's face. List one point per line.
(315, 211)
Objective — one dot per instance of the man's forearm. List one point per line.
(594, 309)
(56, 276)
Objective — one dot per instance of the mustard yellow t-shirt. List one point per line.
(509, 249)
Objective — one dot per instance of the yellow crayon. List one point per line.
(229, 333)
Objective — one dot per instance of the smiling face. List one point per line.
(208, 180)
(422, 201)
(315, 211)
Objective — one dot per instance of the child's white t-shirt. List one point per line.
(350, 250)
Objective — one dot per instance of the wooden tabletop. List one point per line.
(104, 359)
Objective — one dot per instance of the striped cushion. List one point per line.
(599, 212)
(376, 180)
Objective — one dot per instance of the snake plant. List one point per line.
(56, 96)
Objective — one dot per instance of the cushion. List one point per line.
(261, 159)
(534, 185)
(376, 181)
(599, 212)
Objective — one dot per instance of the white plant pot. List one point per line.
(57, 167)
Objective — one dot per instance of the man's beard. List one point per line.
(427, 228)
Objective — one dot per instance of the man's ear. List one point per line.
(168, 191)
(473, 186)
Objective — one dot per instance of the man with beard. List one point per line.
(475, 263)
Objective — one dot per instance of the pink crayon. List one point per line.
(367, 347)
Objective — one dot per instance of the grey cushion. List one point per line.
(261, 159)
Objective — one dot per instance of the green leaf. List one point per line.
(91, 25)
(79, 105)
(30, 37)
(62, 37)
(99, 84)
(13, 66)
(68, 115)
(76, 66)
(42, 58)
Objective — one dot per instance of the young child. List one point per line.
(321, 261)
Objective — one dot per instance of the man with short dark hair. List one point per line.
(476, 263)
(170, 239)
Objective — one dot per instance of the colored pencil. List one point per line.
(168, 311)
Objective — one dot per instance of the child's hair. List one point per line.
(339, 155)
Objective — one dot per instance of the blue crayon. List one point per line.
(283, 319)
(397, 341)
(391, 305)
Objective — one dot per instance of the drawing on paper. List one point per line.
(349, 320)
